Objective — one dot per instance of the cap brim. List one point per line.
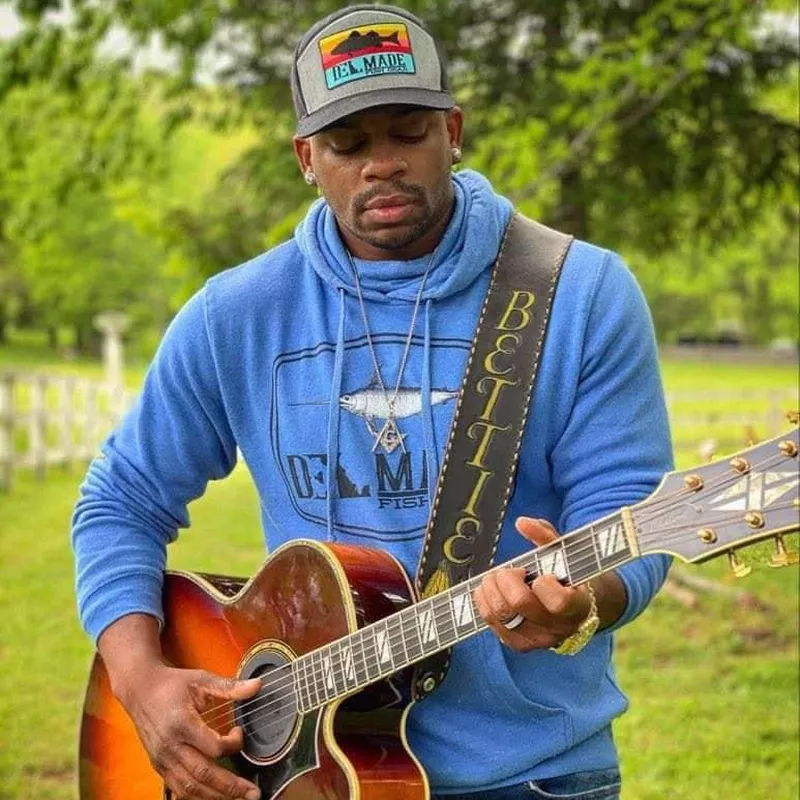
(327, 115)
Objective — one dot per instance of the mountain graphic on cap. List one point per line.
(357, 41)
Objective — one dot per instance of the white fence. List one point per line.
(715, 422)
(53, 420)
(60, 420)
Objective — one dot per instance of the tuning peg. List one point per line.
(782, 557)
(739, 568)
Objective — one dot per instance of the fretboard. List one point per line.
(382, 648)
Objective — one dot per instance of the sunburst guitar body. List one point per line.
(306, 596)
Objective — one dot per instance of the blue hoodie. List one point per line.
(272, 358)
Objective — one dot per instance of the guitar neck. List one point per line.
(435, 623)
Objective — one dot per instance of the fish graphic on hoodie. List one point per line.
(382, 487)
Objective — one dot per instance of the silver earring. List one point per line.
(310, 178)
(457, 154)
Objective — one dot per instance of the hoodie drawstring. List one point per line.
(431, 454)
(334, 415)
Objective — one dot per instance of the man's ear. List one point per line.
(302, 149)
(454, 119)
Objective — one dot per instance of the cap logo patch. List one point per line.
(366, 52)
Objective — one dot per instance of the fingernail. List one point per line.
(253, 794)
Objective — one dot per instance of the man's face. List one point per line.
(386, 175)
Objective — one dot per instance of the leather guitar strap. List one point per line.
(480, 461)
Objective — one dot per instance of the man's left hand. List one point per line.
(551, 612)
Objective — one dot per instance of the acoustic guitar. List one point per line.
(334, 630)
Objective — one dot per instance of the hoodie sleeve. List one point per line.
(135, 495)
(616, 445)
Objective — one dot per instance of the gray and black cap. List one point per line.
(365, 56)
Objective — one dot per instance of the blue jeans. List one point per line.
(604, 784)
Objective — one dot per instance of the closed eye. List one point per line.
(412, 139)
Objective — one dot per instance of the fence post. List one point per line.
(6, 431)
(68, 421)
(38, 426)
(90, 420)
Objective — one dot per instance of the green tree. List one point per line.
(65, 253)
(601, 117)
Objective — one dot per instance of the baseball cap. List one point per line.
(364, 56)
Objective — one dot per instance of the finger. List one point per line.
(207, 690)
(562, 603)
(208, 780)
(538, 531)
(518, 597)
(232, 688)
(184, 786)
(493, 606)
(210, 742)
(498, 607)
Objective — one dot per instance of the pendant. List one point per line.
(389, 437)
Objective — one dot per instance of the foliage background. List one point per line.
(145, 145)
(667, 130)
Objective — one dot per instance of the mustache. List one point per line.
(391, 187)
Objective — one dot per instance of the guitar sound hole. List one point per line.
(268, 719)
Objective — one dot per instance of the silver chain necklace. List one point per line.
(389, 436)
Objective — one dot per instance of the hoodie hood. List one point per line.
(469, 245)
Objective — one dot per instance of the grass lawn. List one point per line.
(713, 688)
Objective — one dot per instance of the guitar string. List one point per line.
(441, 609)
(771, 460)
(720, 481)
(255, 713)
(726, 478)
(339, 674)
(655, 508)
(574, 557)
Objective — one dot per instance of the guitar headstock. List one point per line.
(734, 502)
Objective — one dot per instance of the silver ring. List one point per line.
(514, 622)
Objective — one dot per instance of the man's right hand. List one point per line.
(167, 705)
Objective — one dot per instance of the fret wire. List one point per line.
(344, 648)
(337, 674)
(452, 619)
(326, 668)
(318, 661)
(301, 665)
(369, 669)
(349, 664)
(313, 657)
(363, 660)
(305, 659)
(403, 640)
(593, 540)
(330, 672)
(566, 560)
(293, 666)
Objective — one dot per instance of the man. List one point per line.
(332, 363)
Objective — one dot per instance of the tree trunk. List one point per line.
(571, 215)
(52, 337)
(80, 339)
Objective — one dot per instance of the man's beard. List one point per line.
(401, 237)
